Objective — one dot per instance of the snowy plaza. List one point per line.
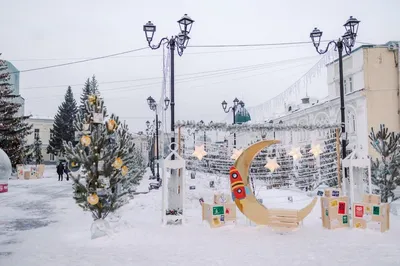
(43, 227)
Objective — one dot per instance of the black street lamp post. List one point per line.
(232, 108)
(150, 137)
(153, 106)
(180, 41)
(346, 42)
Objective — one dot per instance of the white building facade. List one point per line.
(42, 127)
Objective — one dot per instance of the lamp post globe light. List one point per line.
(179, 41)
(232, 108)
(153, 106)
(346, 42)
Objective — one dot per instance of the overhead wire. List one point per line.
(80, 61)
(144, 48)
(233, 70)
(154, 55)
(210, 74)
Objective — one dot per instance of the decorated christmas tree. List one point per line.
(385, 169)
(106, 155)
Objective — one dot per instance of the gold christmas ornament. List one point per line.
(111, 125)
(117, 163)
(85, 141)
(92, 99)
(93, 199)
(124, 170)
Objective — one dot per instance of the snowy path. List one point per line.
(140, 240)
(29, 205)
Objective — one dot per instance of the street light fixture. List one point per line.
(180, 41)
(347, 42)
(232, 108)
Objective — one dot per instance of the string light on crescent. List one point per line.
(236, 154)
(316, 149)
(295, 153)
(272, 164)
(199, 152)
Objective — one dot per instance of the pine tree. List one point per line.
(37, 150)
(328, 161)
(90, 88)
(13, 128)
(107, 164)
(86, 91)
(306, 171)
(385, 170)
(63, 127)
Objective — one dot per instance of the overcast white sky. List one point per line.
(64, 31)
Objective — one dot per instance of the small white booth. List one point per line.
(356, 163)
(175, 190)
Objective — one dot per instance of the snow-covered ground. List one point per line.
(41, 225)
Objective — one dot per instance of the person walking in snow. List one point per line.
(66, 171)
(60, 171)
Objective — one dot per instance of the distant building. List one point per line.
(141, 144)
(42, 127)
(14, 81)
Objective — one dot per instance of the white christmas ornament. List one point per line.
(316, 150)
(199, 152)
(272, 164)
(295, 153)
(236, 154)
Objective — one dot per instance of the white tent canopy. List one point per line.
(357, 159)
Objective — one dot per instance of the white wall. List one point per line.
(353, 72)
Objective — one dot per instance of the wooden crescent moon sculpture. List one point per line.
(242, 193)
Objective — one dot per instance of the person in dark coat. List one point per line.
(60, 171)
(66, 171)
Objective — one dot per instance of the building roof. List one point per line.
(364, 46)
(48, 118)
(242, 116)
(323, 101)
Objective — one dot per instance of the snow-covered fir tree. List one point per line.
(13, 128)
(63, 127)
(328, 161)
(385, 169)
(90, 88)
(37, 150)
(107, 163)
(307, 172)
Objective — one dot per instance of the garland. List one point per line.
(245, 127)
